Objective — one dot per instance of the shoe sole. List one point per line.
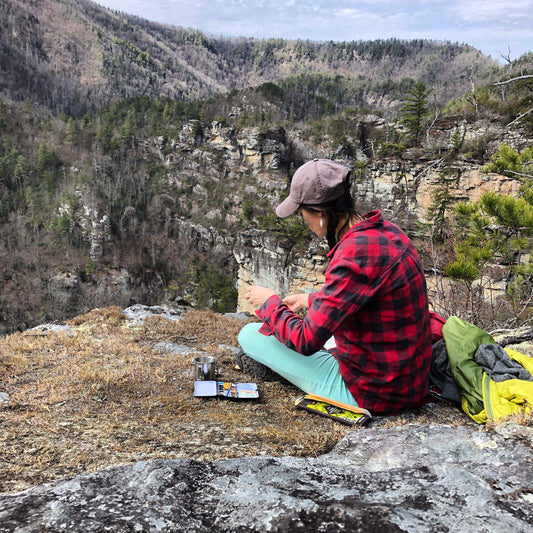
(255, 369)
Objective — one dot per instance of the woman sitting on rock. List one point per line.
(374, 304)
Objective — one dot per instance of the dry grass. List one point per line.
(101, 395)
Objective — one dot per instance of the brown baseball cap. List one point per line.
(315, 182)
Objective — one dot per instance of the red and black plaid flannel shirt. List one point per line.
(374, 301)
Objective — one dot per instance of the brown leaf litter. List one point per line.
(101, 395)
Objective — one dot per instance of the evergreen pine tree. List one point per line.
(414, 111)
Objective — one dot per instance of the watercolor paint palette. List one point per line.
(225, 389)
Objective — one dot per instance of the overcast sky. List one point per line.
(495, 27)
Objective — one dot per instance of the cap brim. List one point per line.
(287, 207)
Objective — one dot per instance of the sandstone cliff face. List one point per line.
(403, 189)
(214, 172)
(264, 260)
(402, 192)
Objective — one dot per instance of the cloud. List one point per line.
(481, 11)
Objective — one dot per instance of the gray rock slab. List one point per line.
(232, 349)
(240, 316)
(138, 313)
(416, 478)
(51, 328)
(176, 349)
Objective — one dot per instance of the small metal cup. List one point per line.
(204, 368)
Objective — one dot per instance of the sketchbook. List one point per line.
(226, 389)
(343, 413)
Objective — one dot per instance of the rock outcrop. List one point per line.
(218, 180)
(265, 260)
(413, 478)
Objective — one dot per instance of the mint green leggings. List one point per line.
(314, 374)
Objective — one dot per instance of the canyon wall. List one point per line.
(213, 175)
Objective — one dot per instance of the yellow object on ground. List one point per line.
(482, 398)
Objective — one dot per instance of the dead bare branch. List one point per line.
(520, 117)
(524, 77)
(507, 57)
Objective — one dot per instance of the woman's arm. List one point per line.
(346, 289)
(257, 296)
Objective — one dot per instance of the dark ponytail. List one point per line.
(335, 210)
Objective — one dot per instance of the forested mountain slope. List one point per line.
(141, 162)
(74, 56)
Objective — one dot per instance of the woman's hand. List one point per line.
(257, 295)
(295, 302)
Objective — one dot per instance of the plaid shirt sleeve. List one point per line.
(374, 301)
